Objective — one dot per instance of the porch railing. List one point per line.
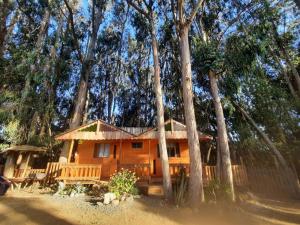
(20, 173)
(209, 173)
(80, 172)
(142, 170)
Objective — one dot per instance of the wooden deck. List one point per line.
(91, 173)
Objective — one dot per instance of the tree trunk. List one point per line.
(286, 56)
(292, 67)
(6, 30)
(10, 164)
(196, 194)
(219, 161)
(167, 184)
(285, 74)
(290, 176)
(227, 177)
(80, 102)
(86, 109)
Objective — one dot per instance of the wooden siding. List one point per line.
(87, 135)
(86, 156)
(176, 135)
(126, 155)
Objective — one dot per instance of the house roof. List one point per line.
(24, 148)
(100, 130)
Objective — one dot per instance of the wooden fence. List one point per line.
(209, 173)
(271, 181)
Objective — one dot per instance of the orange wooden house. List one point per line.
(99, 143)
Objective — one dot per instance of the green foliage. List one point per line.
(70, 190)
(208, 56)
(11, 132)
(216, 191)
(123, 182)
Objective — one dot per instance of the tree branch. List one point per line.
(233, 21)
(139, 9)
(192, 16)
(71, 19)
(180, 10)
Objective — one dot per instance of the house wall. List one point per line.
(125, 154)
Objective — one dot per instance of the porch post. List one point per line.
(26, 164)
(70, 151)
(120, 155)
(149, 161)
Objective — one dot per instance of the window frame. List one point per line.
(137, 148)
(177, 150)
(101, 147)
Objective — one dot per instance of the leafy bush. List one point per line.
(123, 182)
(180, 187)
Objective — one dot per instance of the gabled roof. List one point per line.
(175, 130)
(24, 148)
(96, 130)
(100, 130)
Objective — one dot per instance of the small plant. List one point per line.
(70, 190)
(123, 182)
(217, 191)
(180, 188)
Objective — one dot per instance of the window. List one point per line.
(137, 145)
(102, 150)
(172, 148)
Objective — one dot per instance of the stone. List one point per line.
(61, 185)
(115, 202)
(108, 197)
(72, 194)
(100, 203)
(129, 198)
(123, 198)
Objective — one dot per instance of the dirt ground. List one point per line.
(33, 208)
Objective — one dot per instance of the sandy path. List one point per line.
(26, 208)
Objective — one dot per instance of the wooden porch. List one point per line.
(91, 173)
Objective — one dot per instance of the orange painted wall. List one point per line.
(128, 155)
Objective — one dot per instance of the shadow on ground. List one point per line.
(260, 211)
(28, 211)
(274, 211)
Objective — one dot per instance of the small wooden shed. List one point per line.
(20, 157)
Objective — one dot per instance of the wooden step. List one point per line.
(155, 190)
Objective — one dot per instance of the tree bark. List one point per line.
(290, 176)
(292, 67)
(227, 177)
(196, 194)
(10, 164)
(86, 109)
(167, 184)
(6, 30)
(80, 101)
(285, 74)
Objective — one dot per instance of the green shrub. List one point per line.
(123, 182)
(74, 189)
